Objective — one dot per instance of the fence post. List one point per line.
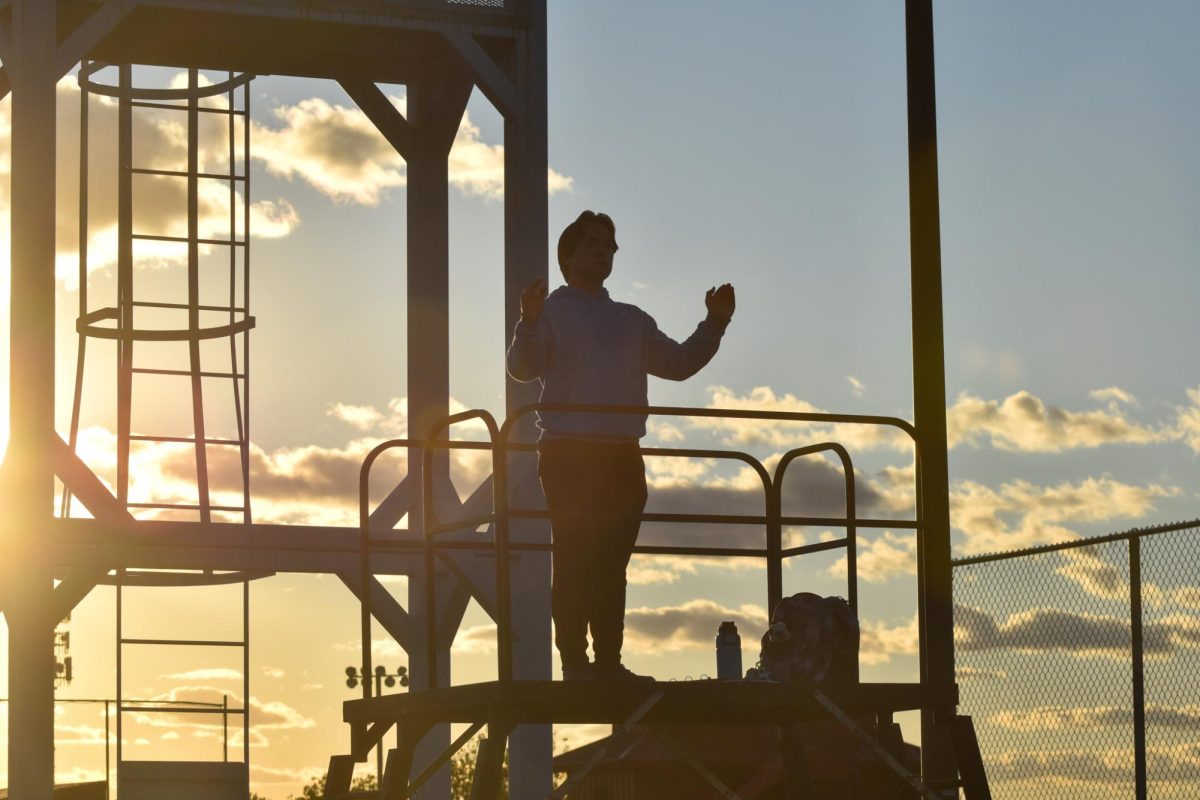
(1139, 687)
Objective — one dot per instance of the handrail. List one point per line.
(501, 513)
(775, 564)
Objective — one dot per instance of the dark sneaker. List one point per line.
(583, 673)
(619, 673)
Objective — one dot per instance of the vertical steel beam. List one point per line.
(526, 251)
(193, 213)
(428, 309)
(929, 387)
(125, 319)
(1139, 665)
(428, 277)
(428, 352)
(27, 483)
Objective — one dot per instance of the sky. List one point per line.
(766, 148)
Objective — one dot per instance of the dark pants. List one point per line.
(596, 494)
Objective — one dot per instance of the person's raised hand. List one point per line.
(532, 300)
(720, 302)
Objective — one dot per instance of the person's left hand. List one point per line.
(720, 302)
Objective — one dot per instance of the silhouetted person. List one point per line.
(586, 348)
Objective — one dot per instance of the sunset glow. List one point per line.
(1070, 282)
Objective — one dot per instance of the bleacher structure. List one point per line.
(441, 51)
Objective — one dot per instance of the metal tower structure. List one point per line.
(441, 50)
(207, 301)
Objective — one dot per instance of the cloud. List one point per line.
(812, 487)
(71, 735)
(160, 202)
(333, 147)
(742, 432)
(879, 642)
(265, 715)
(652, 570)
(309, 485)
(1189, 420)
(666, 473)
(968, 673)
(1099, 578)
(209, 674)
(664, 432)
(303, 485)
(690, 626)
(1107, 772)
(1114, 394)
(881, 558)
(1083, 635)
(856, 386)
(1022, 514)
(274, 673)
(364, 418)
(476, 640)
(1057, 718)
(1020, 422)
(1186, 596)
(1023, 422)
(477, 168)
(1094, 575)
(338, 150)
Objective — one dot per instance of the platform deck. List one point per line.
(682, 702)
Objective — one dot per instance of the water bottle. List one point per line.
(729, 652)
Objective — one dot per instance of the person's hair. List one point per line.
(574, 232)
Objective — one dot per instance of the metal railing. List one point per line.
(498, 444)
(1078, 662)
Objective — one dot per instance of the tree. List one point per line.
(315, 789)
(462, 772)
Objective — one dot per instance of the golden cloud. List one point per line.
(337, 150)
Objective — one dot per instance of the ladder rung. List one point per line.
(175, 173)
(183, 507)
(237, 112)
(187, 642)
(151, 371)
(185, 306)
(148, 237)
(182, 439)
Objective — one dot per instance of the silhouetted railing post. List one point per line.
(1139, 678)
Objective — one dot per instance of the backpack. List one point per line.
(811, 639)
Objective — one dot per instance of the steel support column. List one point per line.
(525, 259)
(436, 101)
(929, 389)
(27, 486)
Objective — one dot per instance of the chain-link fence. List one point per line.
(1080, 664)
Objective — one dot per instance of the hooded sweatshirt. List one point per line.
(586, 348)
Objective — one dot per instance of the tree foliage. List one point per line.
(462, 772)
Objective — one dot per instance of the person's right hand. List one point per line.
(532, 300)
